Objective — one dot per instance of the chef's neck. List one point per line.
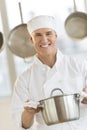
(48, 59)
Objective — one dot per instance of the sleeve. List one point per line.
(20, 95)
(84, 70)
(82, 67)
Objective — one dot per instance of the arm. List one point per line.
(30, 108)
(19, 97)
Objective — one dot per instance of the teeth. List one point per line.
(44, 45)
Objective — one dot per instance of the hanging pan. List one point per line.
(18, 40)
(76, 24)
(1, 42)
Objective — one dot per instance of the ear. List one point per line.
(30, 39)
(56, 35)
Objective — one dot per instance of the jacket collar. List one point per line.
(58, 61)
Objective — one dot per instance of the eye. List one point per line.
(49, 33)
(37, 34)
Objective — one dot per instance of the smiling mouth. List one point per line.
(45, 46)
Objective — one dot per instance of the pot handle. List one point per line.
(55, 89)
(41, 106)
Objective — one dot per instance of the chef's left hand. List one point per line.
(85, 98)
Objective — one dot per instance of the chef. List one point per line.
(50, 69)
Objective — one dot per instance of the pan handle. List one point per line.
(75, 8)
(55, 89)
(20, 12)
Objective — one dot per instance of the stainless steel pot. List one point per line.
(61, 108)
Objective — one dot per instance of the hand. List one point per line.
(85, 98)
(30, 108)
(31, 104)
(28, 117)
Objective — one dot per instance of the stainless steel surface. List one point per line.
(59, 109)
(18, 40)
(1, 41)
(19, 43)
(76, 24)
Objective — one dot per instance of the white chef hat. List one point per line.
(42, 21)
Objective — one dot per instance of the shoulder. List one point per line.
(76, 62)
(72, 60)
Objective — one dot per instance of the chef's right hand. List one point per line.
(28, 117)
(30, 108)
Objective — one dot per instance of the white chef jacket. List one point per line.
(37, 82)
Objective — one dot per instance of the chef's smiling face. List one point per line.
(44, 41)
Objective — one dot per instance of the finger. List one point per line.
(84, 100)
(85, 89)
(38, 109)
(30, 109)
(27, 100)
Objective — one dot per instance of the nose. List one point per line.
(44, 38)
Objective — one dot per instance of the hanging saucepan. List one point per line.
(18, 40)
(1, 42)
(76, 24)
(60, 108)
